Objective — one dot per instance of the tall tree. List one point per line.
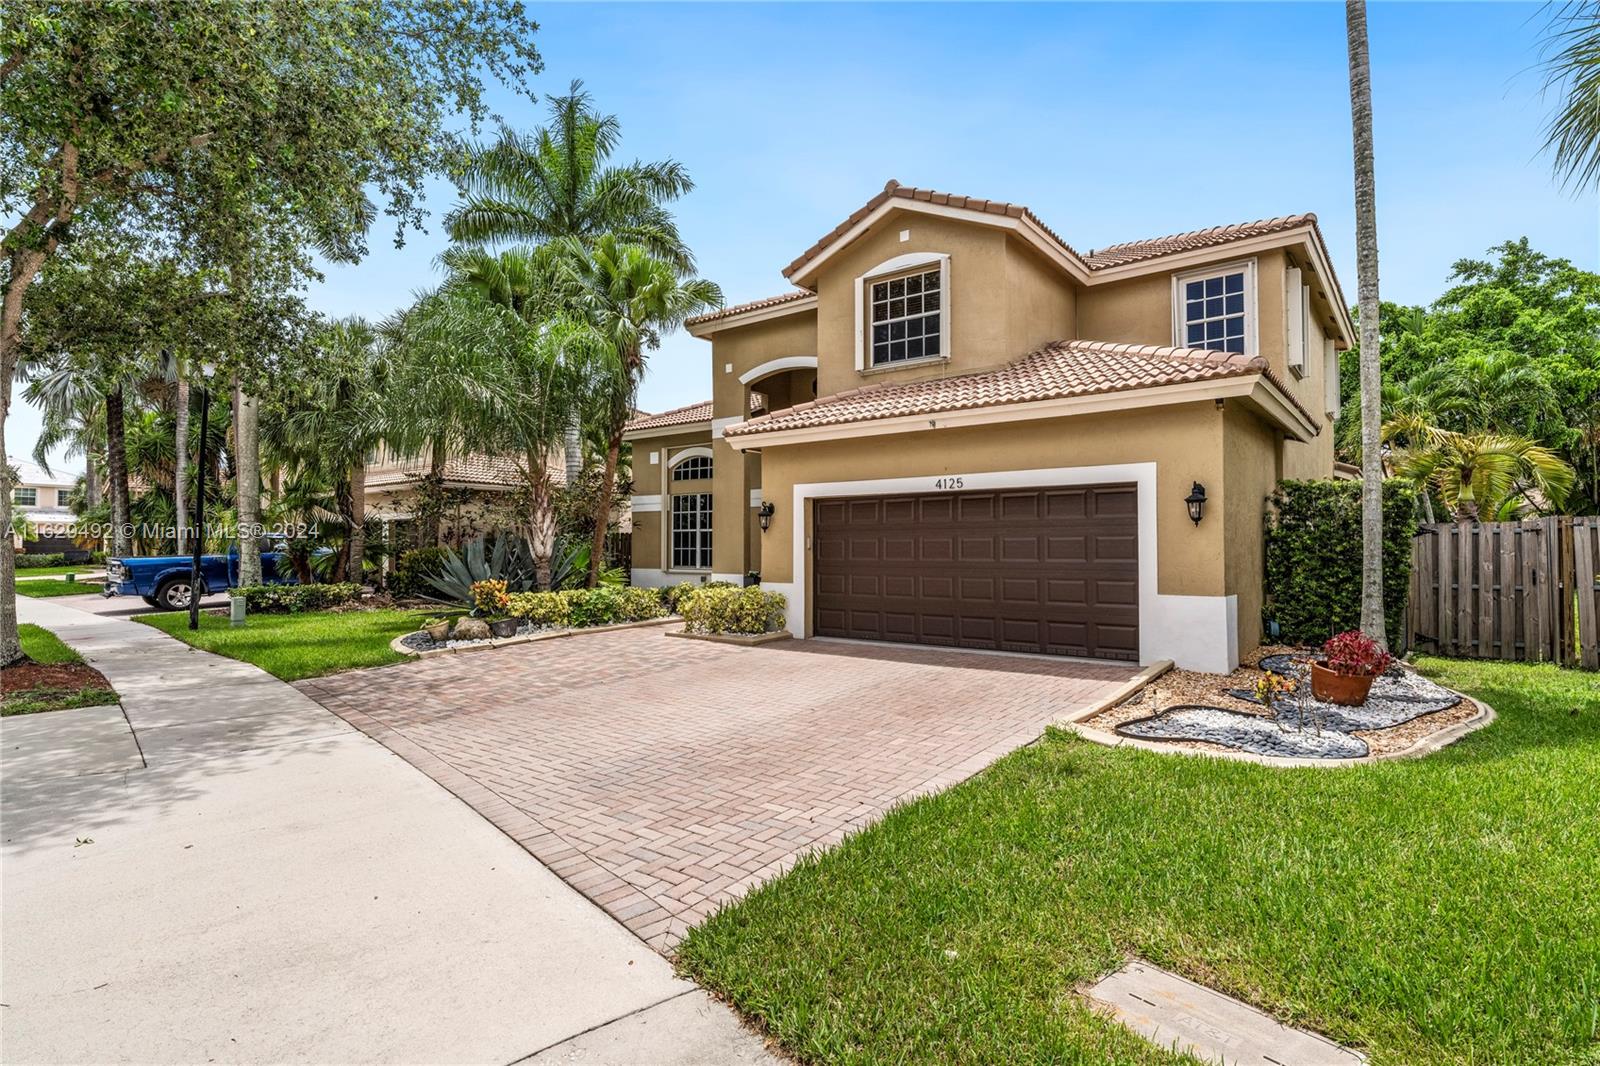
(630, 298)
(1367, 293)
(558, 183)
(1572, 72)
(188, 115)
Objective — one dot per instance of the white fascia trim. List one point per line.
(759, 314)
(720, 424)
(772, 366)
(1252, 302)
(669, 431)
(1271, 399)
(646, 504)
(1160, 395)
(645, 578)
(1195, 632)
(689, 453)
(1024, 227)
(755, 497)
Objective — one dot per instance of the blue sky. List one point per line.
(1111, 121)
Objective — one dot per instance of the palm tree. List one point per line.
(1487, 473)
(1573, 71)
(630, 298)
(556, 183)
(1367, 284)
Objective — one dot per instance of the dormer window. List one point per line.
(903, 312)
(905, 317)
(1214, 309)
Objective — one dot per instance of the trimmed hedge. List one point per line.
(1313, 587)
(412, 570)
(601, 606)
(293, 599)
(34, 562)
(732, 610)
(675, 593)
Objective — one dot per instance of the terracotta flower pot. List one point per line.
(505, 627)
(1348, 690)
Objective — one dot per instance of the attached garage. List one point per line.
(1050, 570)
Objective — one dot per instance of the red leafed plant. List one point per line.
(1355, 654)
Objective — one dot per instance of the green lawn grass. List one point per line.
(57, 571)
(43, 646)
(1441, 910)
(56, 587)
(293, 646)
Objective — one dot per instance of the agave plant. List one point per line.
(509, 560)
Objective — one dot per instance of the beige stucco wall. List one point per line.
(1251, 459)
(1136, 311)
(649, 542)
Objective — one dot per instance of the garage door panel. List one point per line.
(1041, 570)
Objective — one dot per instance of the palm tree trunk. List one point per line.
(541, 518)
(117, 474)
(574, 449)
(342, 502)
(1372, 621)
(358, 521)
(91, 478)
(247, 483)
(180, 487)
(602, 507)
(433, 500)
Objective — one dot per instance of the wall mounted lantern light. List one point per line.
(1196, 502)
(764, 515)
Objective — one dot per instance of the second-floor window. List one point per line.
(25, 497)
(694, 468)
(905, 317)
(1213, 310)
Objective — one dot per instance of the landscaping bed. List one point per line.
(1430, 912)
(1182, 708)
(56, 679)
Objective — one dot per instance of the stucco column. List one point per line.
(730, 512)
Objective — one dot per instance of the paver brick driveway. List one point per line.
(663, 777)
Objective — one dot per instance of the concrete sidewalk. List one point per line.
(273, 886)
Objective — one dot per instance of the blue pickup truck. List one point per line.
(163, 580)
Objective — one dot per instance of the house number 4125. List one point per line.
(946, 484)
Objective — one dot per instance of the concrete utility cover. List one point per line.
(1177, 1013)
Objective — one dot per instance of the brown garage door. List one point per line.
(1035, 570)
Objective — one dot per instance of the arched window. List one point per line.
(692, 468)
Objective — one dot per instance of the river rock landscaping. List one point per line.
(1209, 712)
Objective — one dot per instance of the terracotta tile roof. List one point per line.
(1056, 371)
(906, 192)
(753, 305)
(487, 470)
(1134, 251)
(678, 416)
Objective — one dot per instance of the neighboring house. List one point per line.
(479, 486)
(965, 432)
(40, 498)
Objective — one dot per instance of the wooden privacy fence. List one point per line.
(1527, 591)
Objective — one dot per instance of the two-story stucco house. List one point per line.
(958, 430)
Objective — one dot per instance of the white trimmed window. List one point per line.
(692, 468)
(1214, 309)
(903, 311)
(25, 497)
(691, 529)
(905, 317)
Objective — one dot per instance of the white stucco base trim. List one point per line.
(646, 578)
(1195, 632)
(735, 579)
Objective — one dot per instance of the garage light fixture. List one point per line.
(1196, 501)
(764, 515)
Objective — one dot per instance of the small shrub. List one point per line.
(1355, 654)
(673, 595)
(34, 562)
(293, 599)
(553, 609)
(489, 598)
(600, 606)
(411, 572)
(641, 605)
(732, 610)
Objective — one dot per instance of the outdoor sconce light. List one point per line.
(1196, 501)
(764, 515)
